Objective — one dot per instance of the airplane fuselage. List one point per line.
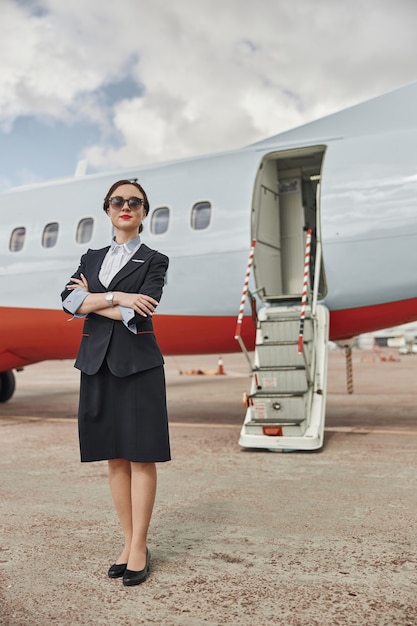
(365, 217)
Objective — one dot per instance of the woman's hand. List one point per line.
(81, 283)
(139, 302)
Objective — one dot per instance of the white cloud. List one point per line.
(53, 62)
(213, 74)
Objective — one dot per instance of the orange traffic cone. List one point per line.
(220, 368)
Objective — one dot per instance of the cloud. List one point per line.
(53, 61)
(210, 75)
(219, 75)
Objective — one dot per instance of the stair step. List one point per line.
(288, 393)
(272, 422)
(276, 317)
(282, 342)
(280, 356)
(276, 331)
(284, 313)
(268, 394)
(278, 368)
(286, 297)
(284, 380)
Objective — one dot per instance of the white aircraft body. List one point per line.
(351, 177)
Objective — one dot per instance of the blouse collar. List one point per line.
(129, 247)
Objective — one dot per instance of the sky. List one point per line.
(132, 82)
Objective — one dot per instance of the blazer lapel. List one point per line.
(135, 264)
(95, 261)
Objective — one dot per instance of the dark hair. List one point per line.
(127, 182)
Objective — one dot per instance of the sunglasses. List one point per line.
(117, 202)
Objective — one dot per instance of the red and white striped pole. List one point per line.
(245, 291)
(349, 368)
(304, 294)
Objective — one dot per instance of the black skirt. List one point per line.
(123, 418)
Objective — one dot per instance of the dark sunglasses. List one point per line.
(117, 202)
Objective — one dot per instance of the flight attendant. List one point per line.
(122, 414)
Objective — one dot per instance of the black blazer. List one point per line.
(103, 338)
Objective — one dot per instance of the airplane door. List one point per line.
(286, 203)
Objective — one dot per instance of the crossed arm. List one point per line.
(96, 302)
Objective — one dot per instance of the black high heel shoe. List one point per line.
(131, 577)
(117, 571)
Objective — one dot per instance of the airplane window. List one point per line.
(50, 235)
(200, 215)
(17, 239)
(84, 230)
(160, 220)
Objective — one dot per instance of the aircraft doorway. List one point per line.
(286, 203)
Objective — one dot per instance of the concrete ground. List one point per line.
(238, 537)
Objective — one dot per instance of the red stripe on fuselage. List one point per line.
(352, 322)
(32, 335)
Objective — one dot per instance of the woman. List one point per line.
(122, 409)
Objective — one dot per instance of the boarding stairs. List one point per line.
(286, 401)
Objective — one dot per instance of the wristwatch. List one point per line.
(109, 298)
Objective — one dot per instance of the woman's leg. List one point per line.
(143, 483)
(120, 488)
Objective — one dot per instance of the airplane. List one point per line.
(348, 179)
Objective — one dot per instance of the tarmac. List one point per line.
(238, 537)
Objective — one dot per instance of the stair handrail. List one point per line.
(318, 254)
(317, 272)
(304, 293)
(242, 305)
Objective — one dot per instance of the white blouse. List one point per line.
(116, 258)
